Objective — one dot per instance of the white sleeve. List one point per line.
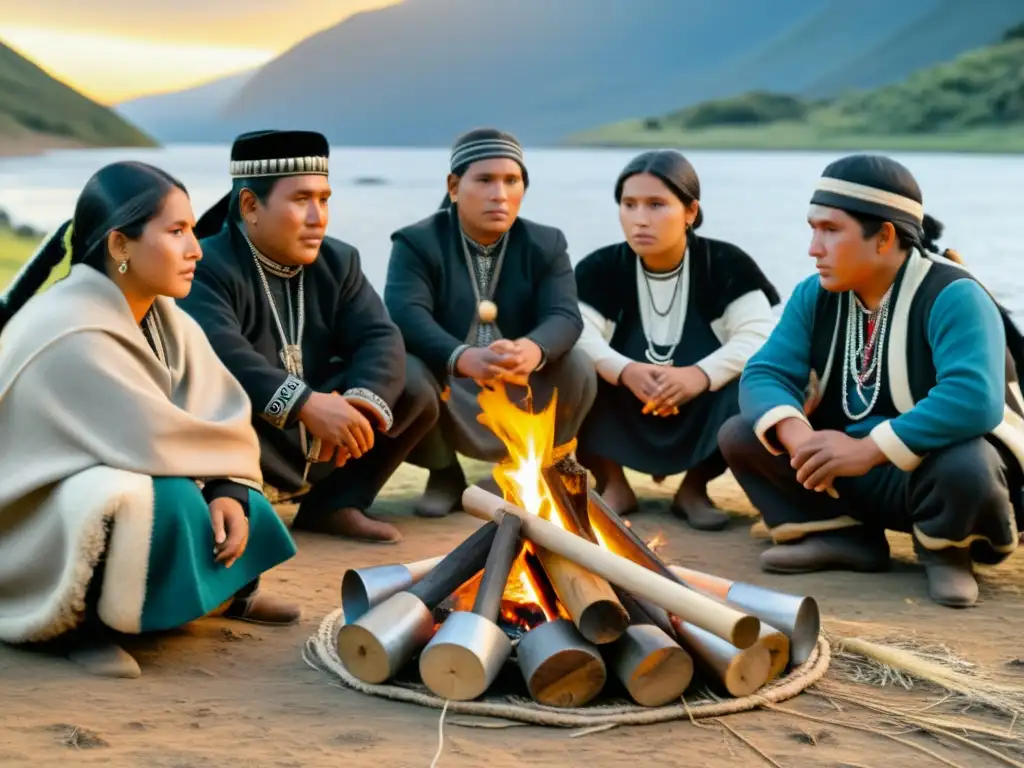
(594, 343)
(746, 324)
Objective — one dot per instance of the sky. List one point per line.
(114, 50)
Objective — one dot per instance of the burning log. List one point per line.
(739, 629)
(589, 600)
(469, 650)
(382, 640)
(363, 588)
(740, 672)
(796, 616)
(651, 665)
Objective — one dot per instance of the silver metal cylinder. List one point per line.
(464, 657)
(560, 667)
(652, 666)
(384, 638)
(363, 588)
(798, 617)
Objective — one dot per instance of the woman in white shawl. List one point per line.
(130, 485)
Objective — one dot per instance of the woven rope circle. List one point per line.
(321, 653)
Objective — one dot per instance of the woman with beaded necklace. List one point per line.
(885, 399)
(671, 318)
(483, 296)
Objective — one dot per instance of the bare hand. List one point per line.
(230, 530)
(828, 454)
(483, 364)
(677, 386)
(336, 421)
(522, 357)
(641, 380)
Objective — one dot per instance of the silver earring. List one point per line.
(123, 266)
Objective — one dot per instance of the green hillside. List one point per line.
(973, 103)
(36, 107)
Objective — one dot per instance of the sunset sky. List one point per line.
(113, 50)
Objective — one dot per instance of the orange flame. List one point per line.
(529, 439)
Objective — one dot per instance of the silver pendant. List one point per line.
(291, 356)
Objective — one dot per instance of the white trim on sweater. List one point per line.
(744, 326)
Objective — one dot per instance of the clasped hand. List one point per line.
(662, 389)
(503, 360)
(824, 455)
(343, 428)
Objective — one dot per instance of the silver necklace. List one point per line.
(863, 363)
(651, 353)
(291, 350)
(489, 278)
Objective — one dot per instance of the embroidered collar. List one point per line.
(485, 251)
(278, 270)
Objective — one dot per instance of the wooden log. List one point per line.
(560, 667)
(777, 644)
(589, 600)
(652, 666)
(797, 616)
(739, 672)
(504, 549)
(469, 650)
(382, 640)
(625, 541)
(726, 622)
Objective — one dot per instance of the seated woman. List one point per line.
(130, 486)
(670, 319)
(480, 296)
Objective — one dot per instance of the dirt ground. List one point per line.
(221, 693)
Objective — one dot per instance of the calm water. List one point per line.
(756, 200)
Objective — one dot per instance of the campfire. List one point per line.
(556, 584)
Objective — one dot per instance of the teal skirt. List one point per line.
(184, 582)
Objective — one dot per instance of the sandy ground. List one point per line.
(221, 693)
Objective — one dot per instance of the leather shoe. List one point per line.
(833, 551)
(262, 608)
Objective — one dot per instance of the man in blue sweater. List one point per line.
(885, 399)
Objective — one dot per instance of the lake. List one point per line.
(757, 200)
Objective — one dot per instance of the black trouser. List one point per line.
(957, 496)
(357, 483)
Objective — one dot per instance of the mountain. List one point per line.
(422, 71)
(185, 115)
(973, 103)
(39, 112)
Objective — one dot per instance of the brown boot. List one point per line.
(950, 574)
(844, 550)
(443, 494)
(348, 523)
(262, 608)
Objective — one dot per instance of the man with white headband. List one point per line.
(483, 296)
(885, 399)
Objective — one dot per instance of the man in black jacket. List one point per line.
(290, 313)
(484, 296)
